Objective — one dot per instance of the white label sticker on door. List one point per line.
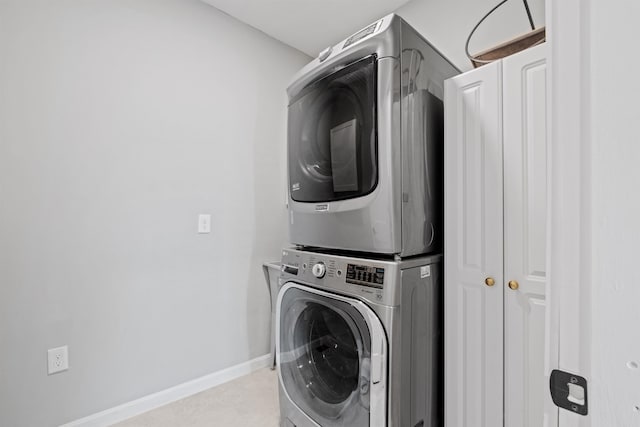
(425, 271)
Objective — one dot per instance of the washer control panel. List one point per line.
(365, 275)
(376, 281)
(329, 270)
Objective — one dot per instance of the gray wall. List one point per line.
(120, 121)
(447, 23)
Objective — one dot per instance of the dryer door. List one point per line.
(326, 344)
(332, 136)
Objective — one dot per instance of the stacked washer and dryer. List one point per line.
(359, 314)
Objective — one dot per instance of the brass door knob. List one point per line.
(489, 281)
(513, 284)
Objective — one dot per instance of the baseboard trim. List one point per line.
(136, 407)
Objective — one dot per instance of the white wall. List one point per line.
(447, 23)
(120, 121)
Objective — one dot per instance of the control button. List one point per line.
(339, 273)
(319, 270)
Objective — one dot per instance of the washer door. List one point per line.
(324, 353)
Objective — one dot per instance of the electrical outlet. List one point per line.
(58, 359)
(204, 223)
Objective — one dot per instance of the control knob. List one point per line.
(319, 270)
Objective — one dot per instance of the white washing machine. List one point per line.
(359, 341)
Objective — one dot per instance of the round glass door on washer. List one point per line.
(365, 143)
(325, 354)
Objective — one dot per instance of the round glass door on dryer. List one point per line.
(331, 354)
(332, 133)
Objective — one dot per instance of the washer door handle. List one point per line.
(377, 363)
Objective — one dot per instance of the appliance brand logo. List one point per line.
(322, 208)
(295, 187)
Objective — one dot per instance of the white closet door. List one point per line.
(525, 209)
(473, 249)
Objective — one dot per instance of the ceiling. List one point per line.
(307, 25)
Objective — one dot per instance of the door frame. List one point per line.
(569, 244)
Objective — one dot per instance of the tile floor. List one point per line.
(251, 400)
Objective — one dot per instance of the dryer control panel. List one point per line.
(361, 35)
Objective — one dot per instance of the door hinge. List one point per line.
(569, 391)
